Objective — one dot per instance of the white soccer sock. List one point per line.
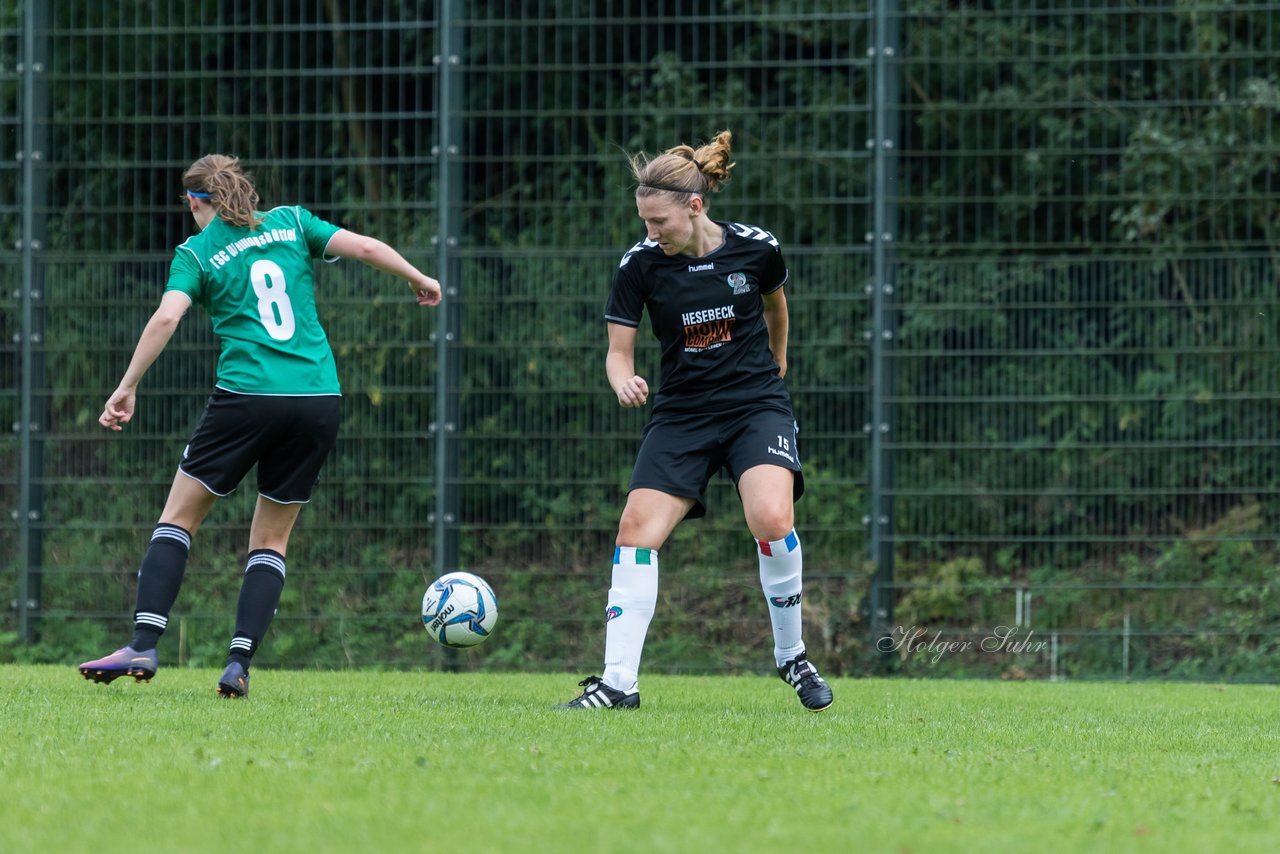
(780, 578)
(632, 600)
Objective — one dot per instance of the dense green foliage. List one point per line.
(1084, 345)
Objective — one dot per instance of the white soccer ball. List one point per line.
(459, 609)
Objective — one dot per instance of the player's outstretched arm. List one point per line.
(155, 336)
(375, 253)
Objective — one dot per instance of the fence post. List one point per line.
(448, 151)
(884, 143)
(32, 419)
(1124, 648)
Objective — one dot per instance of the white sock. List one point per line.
(632, 599)
(780, 578)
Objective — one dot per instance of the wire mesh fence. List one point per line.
(1085, 302)
(1050, 228)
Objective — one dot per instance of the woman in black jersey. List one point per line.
(714, 295)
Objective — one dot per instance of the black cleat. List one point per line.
(234, 682)
(814, 692)
(125, 661)
(597, 695)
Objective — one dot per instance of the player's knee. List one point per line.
(635, 531)
(771, 523)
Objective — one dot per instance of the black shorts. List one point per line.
(287, 437)
(681, 453)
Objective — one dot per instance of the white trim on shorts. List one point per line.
(225, 494)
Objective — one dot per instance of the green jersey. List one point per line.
(258, 287)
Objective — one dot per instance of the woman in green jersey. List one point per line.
(275, 404)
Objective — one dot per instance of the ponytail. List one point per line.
(684, 170)
(232, 194)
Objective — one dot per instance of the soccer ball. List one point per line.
(459, 609)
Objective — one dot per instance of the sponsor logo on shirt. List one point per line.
(698, 268)
(708, 328)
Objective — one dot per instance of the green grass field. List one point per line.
(374, 762)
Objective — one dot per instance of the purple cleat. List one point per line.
(125, 661)
(234, 683)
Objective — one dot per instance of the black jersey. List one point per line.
(708, 316)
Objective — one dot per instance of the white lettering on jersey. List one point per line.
(231, 250)
(778, 453)
(724, 312)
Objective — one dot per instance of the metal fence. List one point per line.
(1033, 320)
(1085, 300)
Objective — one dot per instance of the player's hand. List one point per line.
(633, 392)
(427, 291)
(782, 367)
(119, 409)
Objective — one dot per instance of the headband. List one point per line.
(193, 194)
(667, 189)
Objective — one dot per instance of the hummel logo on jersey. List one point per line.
(698, 268)
(785, 601)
